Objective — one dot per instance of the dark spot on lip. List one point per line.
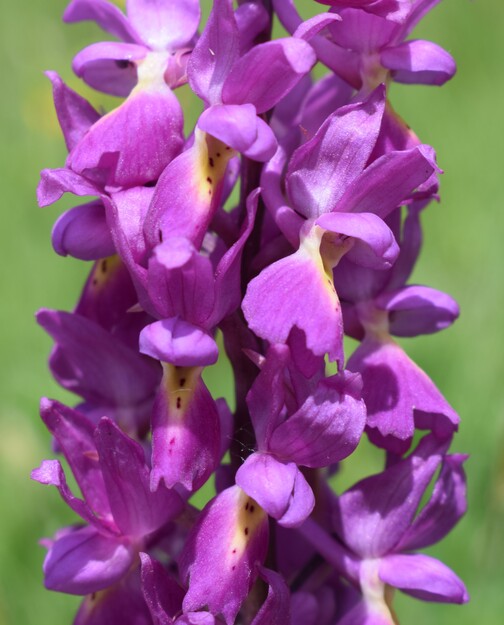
(233, 567)
(209, 180)
(104, 265)
(182, 382)
(246, 531)
(211, 162)
(179, 402)
(234, 551)
(247, 506)
(160, 235)
(172, 441)
(218, 154)
(123, 63)
(252, 508)
(95, 281)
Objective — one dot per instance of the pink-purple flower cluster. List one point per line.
(287, 219)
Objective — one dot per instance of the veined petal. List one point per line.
(265, 74)
(419, 62)
(232, 531)
(321, 170)
(389, 181)
(326, 428)
(215, 53)
(162, 594)
(111, 151)
(137, 511)
(164, 24)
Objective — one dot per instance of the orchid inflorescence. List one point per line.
(287, 219)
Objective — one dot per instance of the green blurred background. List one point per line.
(462, 255)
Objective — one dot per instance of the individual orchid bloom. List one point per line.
(399, 396)
(366, 48)
(120, 510)
(190, 297)
(112, 378)
(223, 552)
(148, 63)
(338, 204)
(237, 90)
(376, 522)
(316, 426)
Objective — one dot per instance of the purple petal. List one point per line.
(55, 182)
(180, 282)
(105, 14)
(74, 434)
(92, 363)
(416, 310)
(252, 19)
(185, 430)
(238, 126)
(109, 67)
(442, 512)
(75, 114)
(85, 561)
(215, 53)
(307, 30)
(374, 244)
(423, 577)
(276, 610)
(232, 530)
(137, 511)
(267, 73)
(321, 169)
(389, 181)
(162, 594)
(399, 396)
(361, 31)
(82, 232)
(286, 294)
(279, 488)
(121, 603)
(111, 146)
(419, 62)
(372, 516)
(327, 427)
(179, 343)
(51, 473)
(164, 24)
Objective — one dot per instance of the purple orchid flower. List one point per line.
(190, 190)
(118, 506)
(376, 523)
(339, 202)
(314, 426)
(145, 68)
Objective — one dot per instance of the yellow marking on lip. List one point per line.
(180, 384)
(103, 271)
(249, 517)
(213, 157)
